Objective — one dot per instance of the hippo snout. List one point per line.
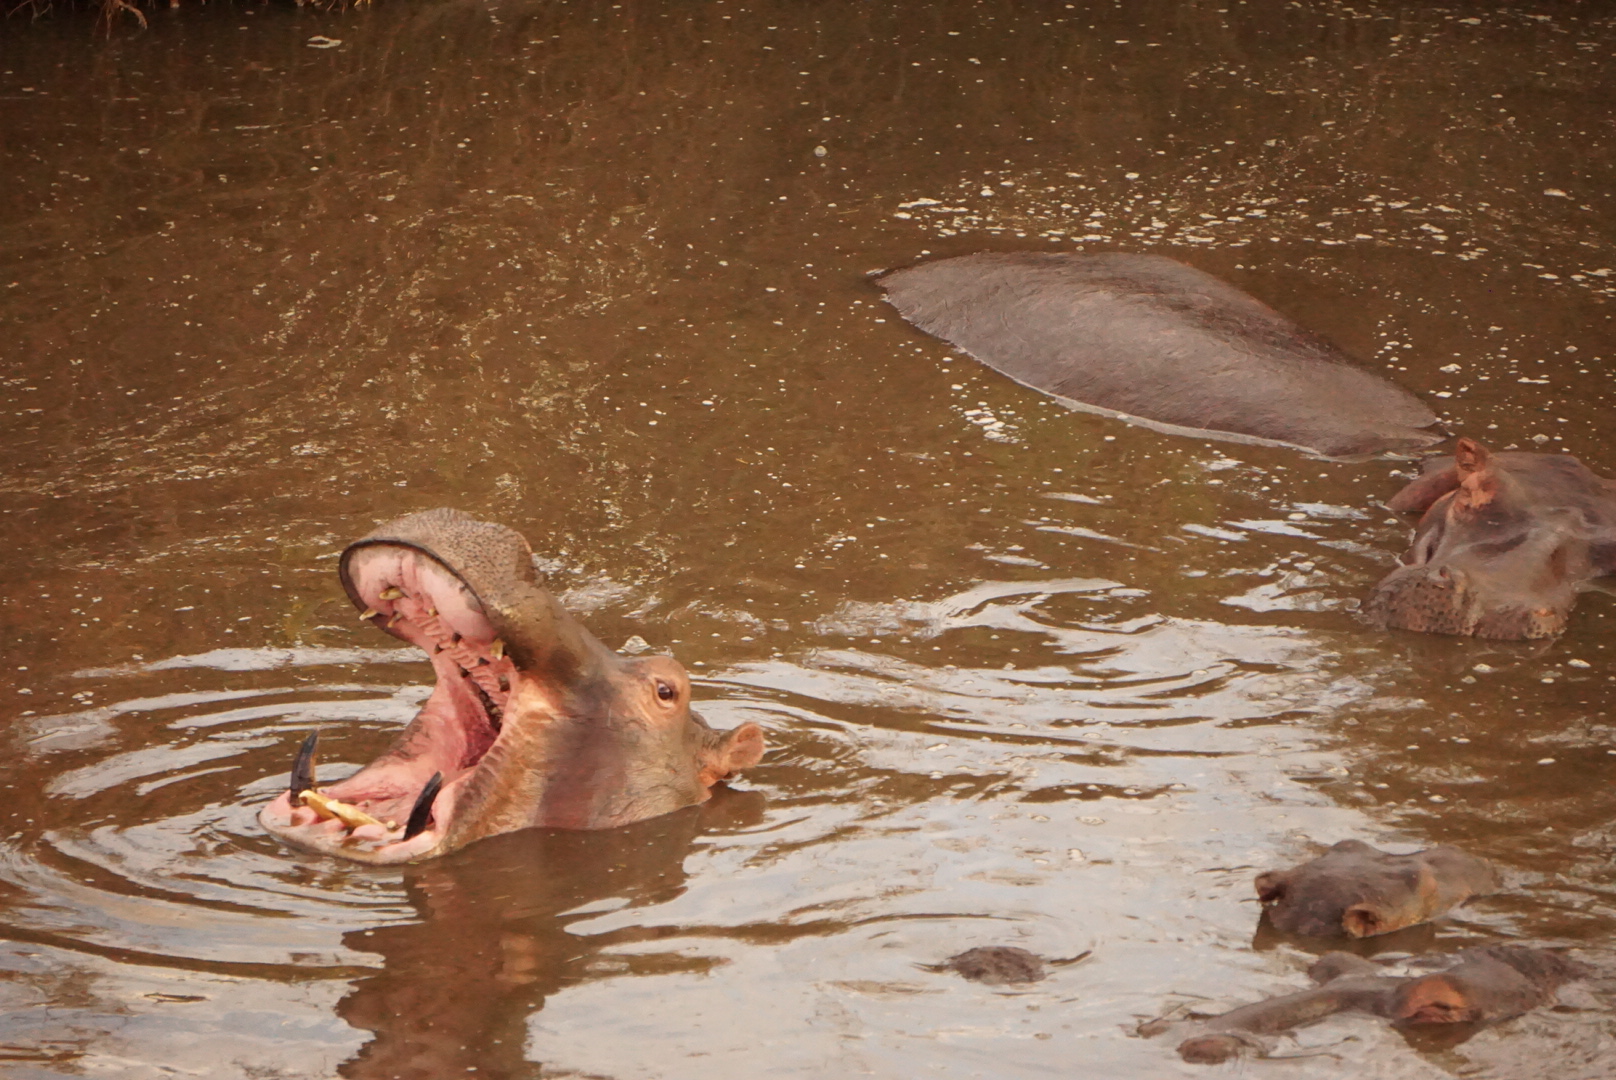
(1444, 599)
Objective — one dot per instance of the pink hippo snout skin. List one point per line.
(532, 721)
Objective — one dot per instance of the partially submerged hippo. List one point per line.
(1506, 542)
(1484, 985)
(533, 722)
(1161, 343)
(1361, 891)
(1002, 965)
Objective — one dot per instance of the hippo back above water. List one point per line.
(1161, 343)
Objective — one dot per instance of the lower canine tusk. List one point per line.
(423, 807)
(303, 765)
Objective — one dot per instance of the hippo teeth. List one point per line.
(347, 813)
(422, 811)
(414, 597)
(303, 765)
(495, 715)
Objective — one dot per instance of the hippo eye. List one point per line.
(665, 691)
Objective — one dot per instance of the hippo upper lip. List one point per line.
(415, 594)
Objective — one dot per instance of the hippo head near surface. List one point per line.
(1479, 986)
(1361, 891)
(533, 722)
(1506, 542)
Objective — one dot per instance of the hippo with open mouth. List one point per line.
(533, 722)
(1506, 542)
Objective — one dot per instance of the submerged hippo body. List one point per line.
(1485, 985)
(1002, 965)
(1162, 343)
(1361, 891)
(533, 722)
(1506, 542)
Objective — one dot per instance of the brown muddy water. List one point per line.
(1030, 677)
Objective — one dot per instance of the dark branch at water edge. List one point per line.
(111, 10)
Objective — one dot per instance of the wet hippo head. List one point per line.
(533, 722)
(1485, 985)
(1479, 986)
(1506, 542)
(1361, 891)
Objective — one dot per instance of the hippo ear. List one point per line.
(1469, 457)
(1272, 885)
(1431, 999)
(737, 749)
(1363, 920)
(1426, 490)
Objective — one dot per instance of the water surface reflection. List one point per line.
(599, 272)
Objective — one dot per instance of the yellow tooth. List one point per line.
(432, 611)
(397, 615)
(368, 614)
(497, 648)
(392, 592)
(328, 808)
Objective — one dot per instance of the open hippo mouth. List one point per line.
(532, 721)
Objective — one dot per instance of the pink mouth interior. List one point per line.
(415, 598)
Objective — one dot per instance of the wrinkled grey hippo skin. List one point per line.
(1162, 343)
